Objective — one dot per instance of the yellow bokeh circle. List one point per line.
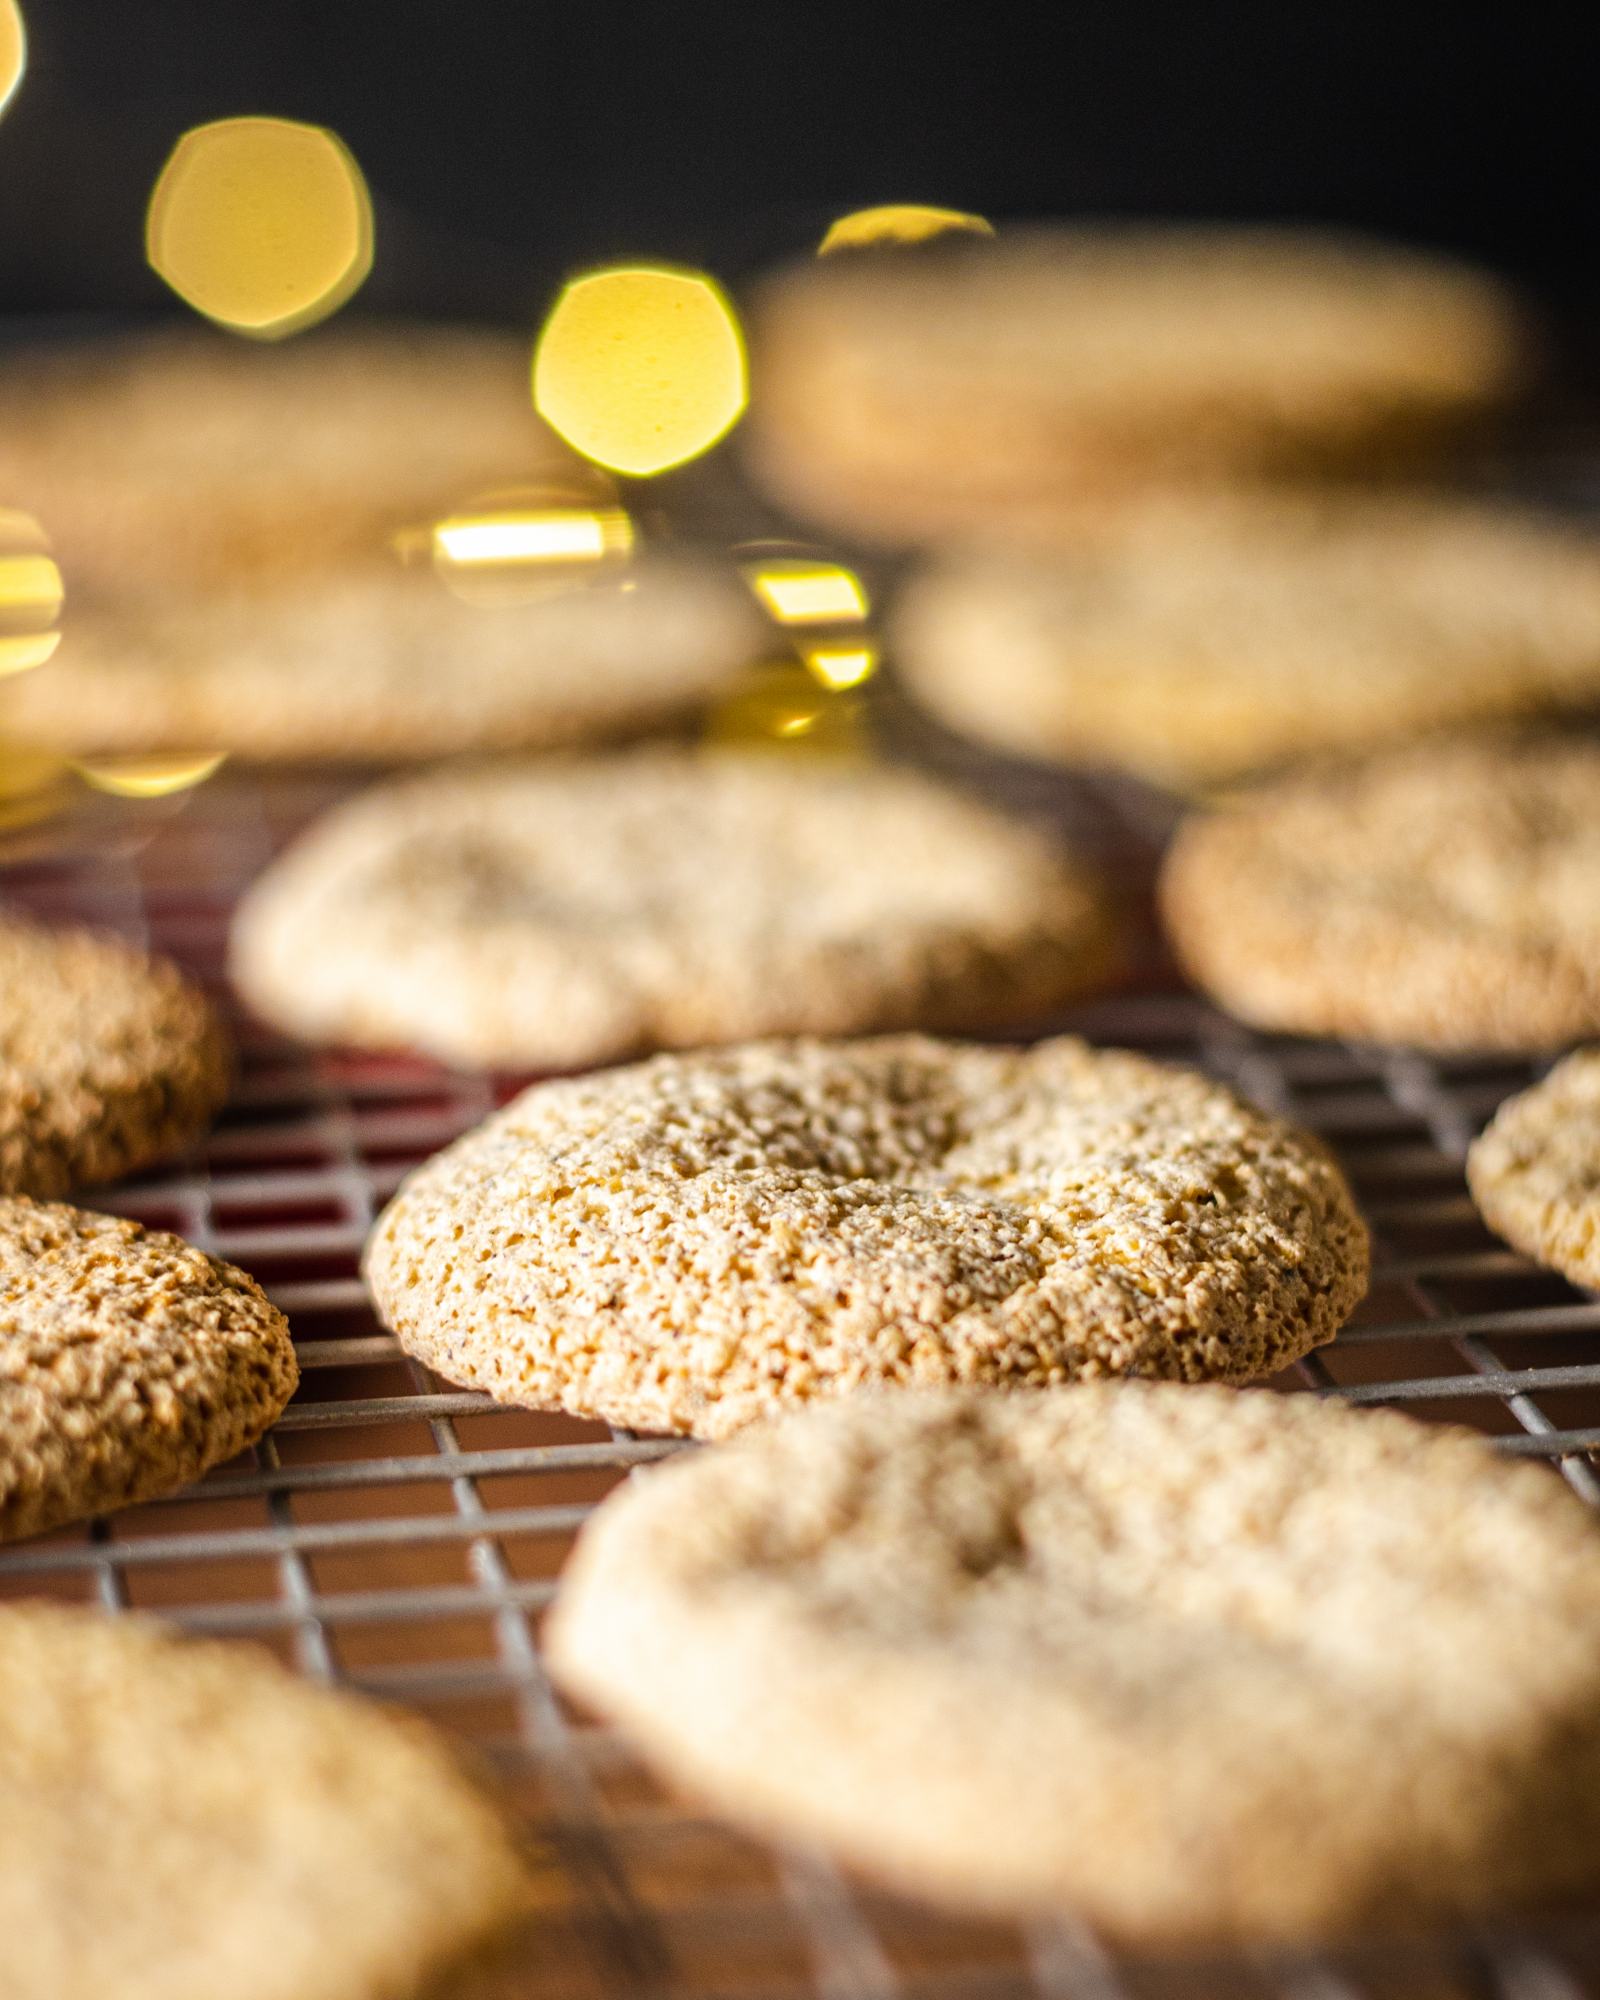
(13, 50)
(641, 368)
(899, 222)
(262, 224)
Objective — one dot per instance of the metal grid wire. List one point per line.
(399, 1536)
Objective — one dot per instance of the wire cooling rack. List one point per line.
(401, 1537)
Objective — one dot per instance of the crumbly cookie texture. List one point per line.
(1442, 895)
(109, 1059)
(130, 1362)
(1122, 1648)
(558, 914)
(181, 461)
(385, 662)
(939, 388)
(696, 1242)
(185, 1820)
(1535, 1170)
(1195, 644)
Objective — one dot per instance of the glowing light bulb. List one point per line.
(898, 222)
(640, 368)
(13, 50)
(798, 592)
(31, 594)
(262, 224)
(153, 777)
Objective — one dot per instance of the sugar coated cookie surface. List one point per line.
(549, 915)
(1535, 1171)
(696, 1242)
(109, 1059)
(187, 1820)
(1442, 895)
(1123, 1649)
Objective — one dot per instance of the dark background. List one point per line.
(506, 141)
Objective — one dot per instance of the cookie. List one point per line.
(169, 462)
(934, 388)
(553, 915)
(1442, 895)
(1194, 644)
(1123, 1649)
(109, 1059)
(187, 1819)
(699, 1241)
(385, 663)
(130, 1362)
(1535, 1171)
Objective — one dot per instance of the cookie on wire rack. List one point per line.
(1122, 1650)
(130, 1363)
(186, 1819)
(1535, 1170)
(700, 1241)
(109, 1059)
(1441, 895)
(544, 916)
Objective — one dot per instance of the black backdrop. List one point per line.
(508, 140)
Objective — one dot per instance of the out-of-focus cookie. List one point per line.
(912, 391)
(1192, 644)
(130, 1362)
(1535, 1171)
(183, 460)
(1442, 895)
(700, 1241)
(109, 1059)
(1120, 1649)
(544, 916)
(185, 1820)
(385, 663)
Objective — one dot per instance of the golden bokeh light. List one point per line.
(778, 705)
(641, 368)
(150, 777)
(841, 666)
(262, 224)
(13, 50)
(511, 546)
(800, 592)
(31, 594)
(898, 223)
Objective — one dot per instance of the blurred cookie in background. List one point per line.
(1535, 1170)
(186, 1819)
(1193, 643)
(577, 911)
(1443, 895)
(386, 662)
(184, 459)
(912, 392)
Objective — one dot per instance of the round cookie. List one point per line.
(928, 389)
(1194, 644)
(1535, 1171)
(1442, 895)
(554, 915)
(1122, 1649)
(176, 461)
(109, 1059)
(700, 1241)
(384, 663)
(185, 1820)
(130, 1362)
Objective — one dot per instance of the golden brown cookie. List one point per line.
(1195, 643)
(1122, 1650)
(385, 663)
(188, 1820)
(1442, 895)
(1535, 1171)
(109, 1059)
(130, 1362)
(699, 1241)
(555, 914)
(182, 460)
(912, 391)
